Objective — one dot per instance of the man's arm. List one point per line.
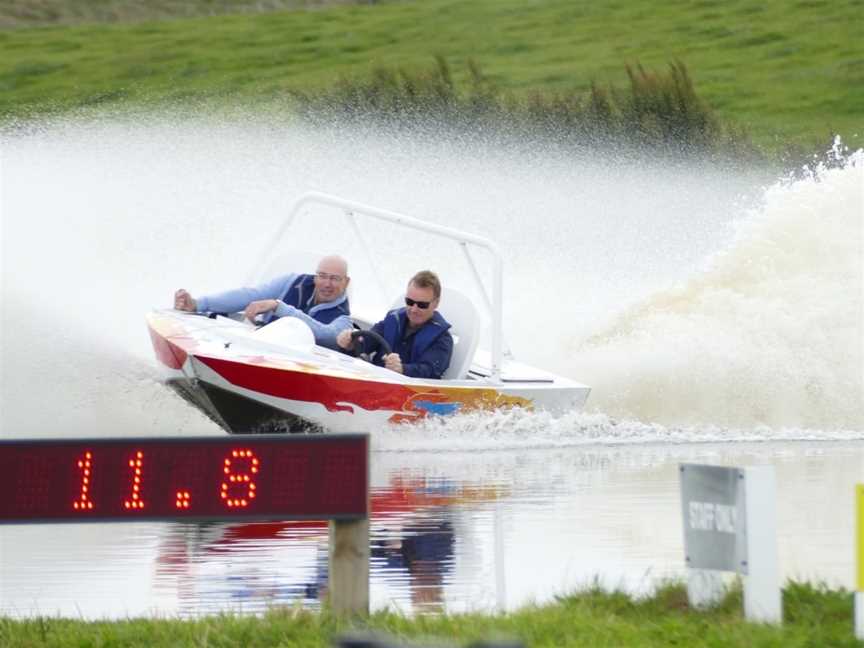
(325, 334)
(232, 301)
(364, 345)
(434, 361)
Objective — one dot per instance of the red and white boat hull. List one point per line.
(228, 370)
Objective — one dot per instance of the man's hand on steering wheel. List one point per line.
(354, 341)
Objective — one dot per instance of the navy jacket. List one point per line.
(300, 293)
(426, 353)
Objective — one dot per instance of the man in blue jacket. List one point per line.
(319, 300)
(417, 334)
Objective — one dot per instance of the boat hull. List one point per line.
(248, 386)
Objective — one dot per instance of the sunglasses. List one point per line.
(423, 305)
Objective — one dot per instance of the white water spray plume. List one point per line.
(770, 332)
(697, 304)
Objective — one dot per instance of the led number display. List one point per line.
(205, 478)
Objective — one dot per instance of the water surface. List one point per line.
(716, 312)
(456, 531)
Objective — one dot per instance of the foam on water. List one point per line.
(605, 274)
(769, 333)
(519, 429)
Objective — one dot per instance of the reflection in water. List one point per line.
(450, 531)
(245, 567)
(419, 553)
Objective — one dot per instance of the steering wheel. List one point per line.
(360, 334)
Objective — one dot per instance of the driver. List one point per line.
(417, 333)
(319, 300)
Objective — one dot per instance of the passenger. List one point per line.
(417, 333)
(319, 300)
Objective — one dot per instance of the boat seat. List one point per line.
(464, 320)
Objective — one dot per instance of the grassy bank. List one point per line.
(813, 616)
(786, 73)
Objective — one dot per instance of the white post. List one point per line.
(859, 561)
(762, 600)
(859, 615)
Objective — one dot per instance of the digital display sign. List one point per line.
(262, 477)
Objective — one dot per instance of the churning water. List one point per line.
(718, 314)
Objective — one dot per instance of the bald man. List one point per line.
(319, 300)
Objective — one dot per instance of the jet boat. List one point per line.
(275, 378)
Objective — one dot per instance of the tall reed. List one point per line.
(655, 111)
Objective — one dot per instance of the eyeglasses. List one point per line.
(423, 305)
(324, 276)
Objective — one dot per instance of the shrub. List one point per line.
(656, 111)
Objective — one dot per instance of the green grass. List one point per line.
(28, 13)
(787, 72)
(814, 616)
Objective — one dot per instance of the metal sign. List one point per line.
(714, 514)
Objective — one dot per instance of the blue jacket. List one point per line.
(296, 294)
(426, 353)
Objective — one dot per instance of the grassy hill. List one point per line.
(788, 71)
(29, 13)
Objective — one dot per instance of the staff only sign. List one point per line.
(714, 518)
(729, 517)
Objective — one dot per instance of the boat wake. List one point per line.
(91, 390)
(520, 429)
(769, 333)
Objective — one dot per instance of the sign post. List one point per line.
(859, 560)
(197, 479)
(730, 526)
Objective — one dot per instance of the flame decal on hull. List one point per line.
(408, 402)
